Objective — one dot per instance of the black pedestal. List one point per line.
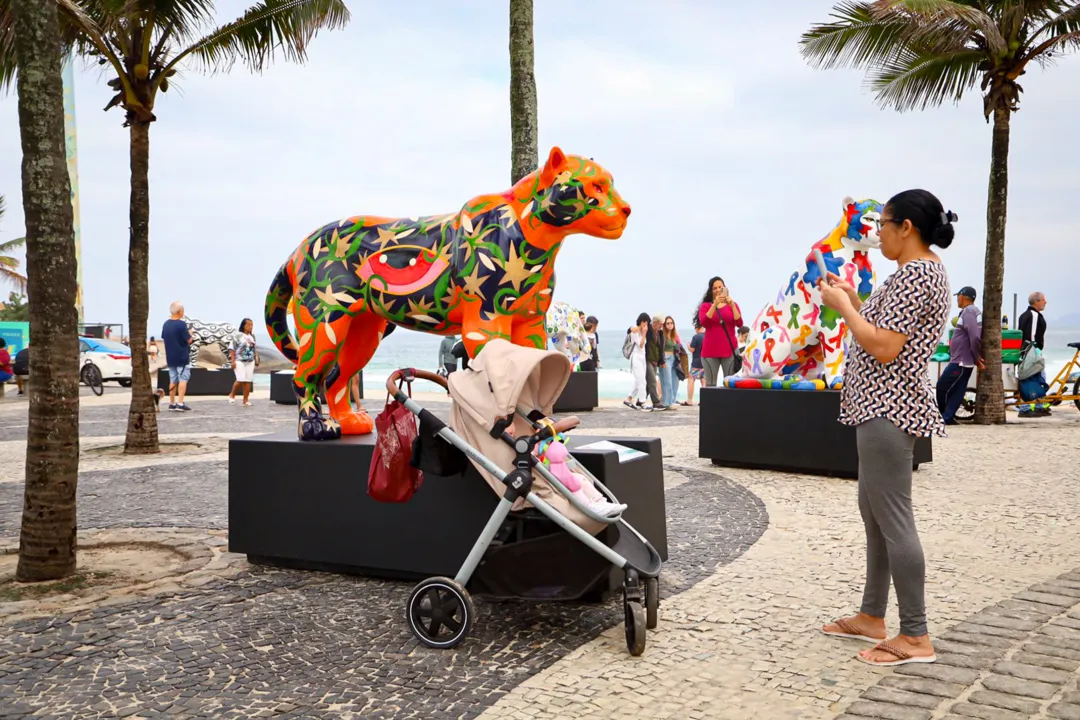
(785, 430)
(305, 504)
(202, 381)
(581, 394)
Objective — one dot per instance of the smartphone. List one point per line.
(822, 268)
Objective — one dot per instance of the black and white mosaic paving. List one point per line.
(300, 644)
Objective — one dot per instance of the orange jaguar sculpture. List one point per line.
(486, 271)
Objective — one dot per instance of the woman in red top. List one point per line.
(721, 317)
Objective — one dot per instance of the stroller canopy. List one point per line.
(502, 378)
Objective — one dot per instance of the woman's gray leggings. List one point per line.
(713, 365)
(892, 543)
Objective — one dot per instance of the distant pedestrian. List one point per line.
(5, 362)
(654, 360)
(447, 360)
(21, 368)
(592, 331)
(152, 351)
(639, 337)
(744, 337)
(697, 369)
(965, 354)
(176, 337)
(1033, 327)
(244, 357)
(721, 317)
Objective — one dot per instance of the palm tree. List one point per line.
(523, 148)
(920, 53)
(145, 42)
(9, 265)
(47, 537)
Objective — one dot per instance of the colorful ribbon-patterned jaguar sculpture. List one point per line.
(797, 340)
(486, 271)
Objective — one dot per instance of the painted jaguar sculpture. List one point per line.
(797, 337)
(486, 271)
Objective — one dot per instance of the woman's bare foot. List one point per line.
(914, 649)
(859, 625)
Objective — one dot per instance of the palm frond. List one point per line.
(8, 261)
(285, 26)
(853, 39)
(15, 279)
(183, 19)
(914, 80)
(11, 245)
(942, 25)
(8, 63)
(1065, 22)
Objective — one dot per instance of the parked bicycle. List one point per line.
(1055, 395)
(90, 375)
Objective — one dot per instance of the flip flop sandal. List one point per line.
(903, 658)
(850, 632)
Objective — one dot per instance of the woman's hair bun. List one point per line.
(944, 233)
(943, 236)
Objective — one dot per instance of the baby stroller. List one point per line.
(499, 414)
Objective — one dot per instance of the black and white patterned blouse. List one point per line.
(913, 301)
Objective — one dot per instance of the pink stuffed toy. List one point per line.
(556, 455)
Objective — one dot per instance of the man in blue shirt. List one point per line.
(176, 337)
(965, 354)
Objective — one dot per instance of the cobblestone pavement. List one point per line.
(738, 634)
(214, 415)
(1015, 659)
(312, 644)
(745, 642)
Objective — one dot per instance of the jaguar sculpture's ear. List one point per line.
(555, 164)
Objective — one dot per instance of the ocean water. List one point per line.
(405, 348)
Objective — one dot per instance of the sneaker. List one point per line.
(629, 404)
(183, 407)
(232, 401)
(247, 404)
(174, 407)
(1026, 413)
(1042, 411)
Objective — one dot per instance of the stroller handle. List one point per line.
(408, 373)
(566, 424)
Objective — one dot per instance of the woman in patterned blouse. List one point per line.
(888, 398)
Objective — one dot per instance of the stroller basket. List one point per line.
(440, 611)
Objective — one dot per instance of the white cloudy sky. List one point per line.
(734, 154)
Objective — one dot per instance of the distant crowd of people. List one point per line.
(660, 360)
(452, 350)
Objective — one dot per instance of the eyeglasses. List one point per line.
(880, 221)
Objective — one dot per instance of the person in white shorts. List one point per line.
(245, 358)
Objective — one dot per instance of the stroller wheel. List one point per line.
(635, 628)
(440, 612)
(652, 602)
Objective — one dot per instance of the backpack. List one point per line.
(628, 346)
(1032, 362)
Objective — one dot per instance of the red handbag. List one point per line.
(391, 477)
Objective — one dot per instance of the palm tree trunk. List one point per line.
(523, 153)
(142, 430)
(47, 536)
(990, 403)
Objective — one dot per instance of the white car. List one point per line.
(113, 359)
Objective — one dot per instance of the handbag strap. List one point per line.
(726, 336)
